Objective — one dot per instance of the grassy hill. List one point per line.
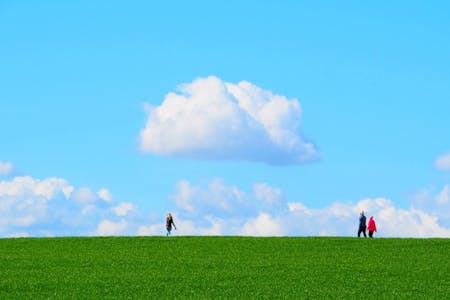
(224, 267)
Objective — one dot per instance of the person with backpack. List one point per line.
(371, 226)
(362, 224)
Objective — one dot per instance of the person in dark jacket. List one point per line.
(371, 226)
(169, 223)
(362, 224)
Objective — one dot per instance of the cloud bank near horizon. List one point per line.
(214, 119)
(265, 212)
(54, 207)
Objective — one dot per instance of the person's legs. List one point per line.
(370, 233)
(168, 232)
(359, 231)
(364, 231)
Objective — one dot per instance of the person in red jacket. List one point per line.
(371, 226)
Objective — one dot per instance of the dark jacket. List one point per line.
(169, 223)
(362, 221)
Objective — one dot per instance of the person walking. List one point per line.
(169, 223)
(371, 226)
(362, 224)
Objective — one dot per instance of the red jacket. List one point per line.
(371, 225)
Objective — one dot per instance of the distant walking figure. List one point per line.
(371, 226)
(169, 223)
(362, 224)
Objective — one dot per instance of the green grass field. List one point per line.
(224, 267)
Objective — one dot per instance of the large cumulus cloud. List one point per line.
(213, 119)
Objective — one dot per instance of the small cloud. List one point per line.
(84, 195)
(156, 229)
(23, 185)
(217, 198)
(105, 195)
(267, 193)
(443, 162)
(213, 119)
(108, 228)
(444, 196)
(6, 168)
(263, 225)
(123, 209)
(434, 201)
(296, 206)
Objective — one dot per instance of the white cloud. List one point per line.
(213, 119)
(263, 225)
(341, 219)
(435, 202)
(25, 185)
(105, 195)
(84, 195)
(25, 201)
(217, 199)
(295, 218)
(6, 168)
(268, 194)
(123, 209)
(444, 196)
(108, 227)
(67, 191)
(211, 226)
(155, 229)
(443, 162)
(299, 207)
(53, 207)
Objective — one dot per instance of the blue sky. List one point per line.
(366, 85)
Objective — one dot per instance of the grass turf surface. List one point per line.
(224, 267)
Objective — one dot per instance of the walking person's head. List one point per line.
(362, 213)
(169, 216)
